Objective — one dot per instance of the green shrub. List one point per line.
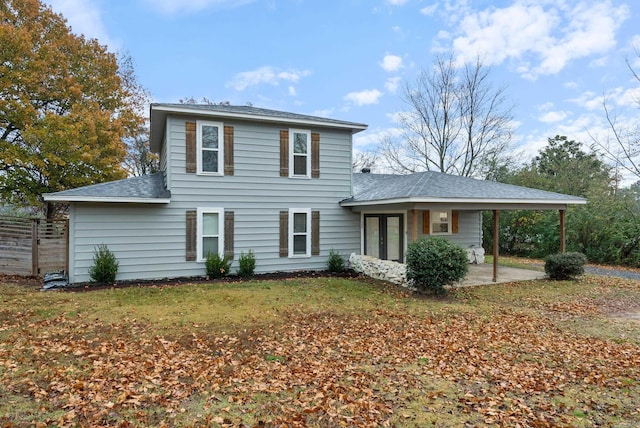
(105, 265)
(563, 266)
(335, 262)
(435, 262)
(246, 264)
(217, 266)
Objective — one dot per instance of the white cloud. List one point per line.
(392, 84)
(397, 2)
(371, 138)
(186, 6)
(265, 75)
(292, 91)
(391, 63)
(362, 98)
(85, 18)
(588, 100)
(541, 38)
(553, 117)
(429, 10)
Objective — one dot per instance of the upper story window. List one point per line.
(210, 147)
(300, 156)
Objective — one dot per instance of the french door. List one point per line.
(383, 236)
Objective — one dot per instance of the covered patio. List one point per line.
(396, 210)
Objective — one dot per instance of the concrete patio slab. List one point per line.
(481, 274)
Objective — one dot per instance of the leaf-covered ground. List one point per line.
(322, 352)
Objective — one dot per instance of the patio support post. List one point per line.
(414, 225)
(562, 231)
(496, 227)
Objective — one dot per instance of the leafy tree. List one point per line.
(65, 106)
(606, 229)
(458, 123)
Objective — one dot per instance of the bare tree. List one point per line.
(362, 160)
(622, 145)
(458, 122)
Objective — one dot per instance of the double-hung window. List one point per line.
(210, 146)
(300, 232)
(210, 232)
(440, 222)
(300, 156)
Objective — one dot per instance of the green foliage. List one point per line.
(335, 262)
(435, 262)
(563, 266)
(246, 264)
(216, 266)
(66, 105)
(105, 265)
(606, 229)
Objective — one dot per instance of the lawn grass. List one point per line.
(322, 352)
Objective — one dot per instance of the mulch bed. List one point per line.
(37, 282)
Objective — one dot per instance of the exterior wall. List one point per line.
(149, 241)
(469, 225)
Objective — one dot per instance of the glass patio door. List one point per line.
(383, 236)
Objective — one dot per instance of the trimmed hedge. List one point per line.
(563, 266)
(435, 262)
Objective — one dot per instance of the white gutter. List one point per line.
(348, 203)
(106, 199)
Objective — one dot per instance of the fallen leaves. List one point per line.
(506, 367)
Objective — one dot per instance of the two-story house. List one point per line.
(239, 178)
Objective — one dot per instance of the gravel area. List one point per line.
(620, 273)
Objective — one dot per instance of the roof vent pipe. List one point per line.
(365, 170)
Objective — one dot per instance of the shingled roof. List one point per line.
(144, 189)
(430, 186)
(159, 112)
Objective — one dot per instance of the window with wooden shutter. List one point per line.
(191, 235)
(284, 233)
(439, 222)
(315, 155)
(454, 221)
(229, 219)
(426, 220)
(228, 150)
(315, 233)
(190, 147)
(284, 153)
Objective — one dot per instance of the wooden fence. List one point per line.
(33, 246)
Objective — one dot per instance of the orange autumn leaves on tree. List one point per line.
(65, 106)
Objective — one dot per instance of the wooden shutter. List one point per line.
(192, 218)
(190, 146)
(284, 233)
(426, 222)
(284, 153)
(315, 155)
(315, 233)
(228, 150)
(229, 220)
(454, 221)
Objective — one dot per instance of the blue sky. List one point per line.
(348, 59)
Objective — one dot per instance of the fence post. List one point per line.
(34, 247)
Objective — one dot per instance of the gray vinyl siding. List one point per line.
(149, 240)
(469, 229)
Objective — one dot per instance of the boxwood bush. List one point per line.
(563, 266)
(335, 262)
(246, 264)
(434, 262)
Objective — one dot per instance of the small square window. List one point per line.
(440, 222)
